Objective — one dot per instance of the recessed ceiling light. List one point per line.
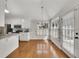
(6, 11)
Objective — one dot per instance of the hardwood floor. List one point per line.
(37, 49)
(59, 53)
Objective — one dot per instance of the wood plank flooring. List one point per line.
(37, 49)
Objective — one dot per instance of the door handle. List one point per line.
(76, 37)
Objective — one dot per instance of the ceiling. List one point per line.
(31, 9)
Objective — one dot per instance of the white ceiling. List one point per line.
(31, 9)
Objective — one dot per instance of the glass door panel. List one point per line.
(68, 32)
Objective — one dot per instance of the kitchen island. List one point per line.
(8, 43)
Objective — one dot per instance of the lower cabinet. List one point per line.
(24, 36)
(8, 45)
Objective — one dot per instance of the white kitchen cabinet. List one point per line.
(2, 13)
(8, 45)
(24, 36)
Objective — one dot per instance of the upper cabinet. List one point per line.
(2, 13)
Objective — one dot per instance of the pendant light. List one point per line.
(6, 8)
(42, 11)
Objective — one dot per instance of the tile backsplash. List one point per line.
(2, 30)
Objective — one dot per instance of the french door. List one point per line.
(68, 33)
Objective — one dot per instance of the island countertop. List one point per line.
(7, 35)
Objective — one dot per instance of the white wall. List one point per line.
(14, 20)
(2, 14)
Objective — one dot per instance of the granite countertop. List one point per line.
(7, 35)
